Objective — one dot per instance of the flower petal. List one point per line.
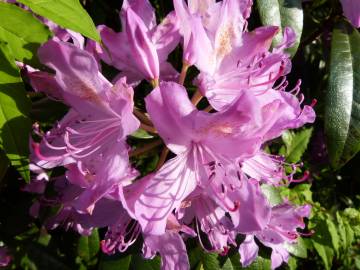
(171, 248)
(248, 251)
(164, 193)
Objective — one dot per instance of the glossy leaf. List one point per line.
(115, 263)
(89, 246)
(14, 108)
(282, 13)
(296, 144)
(298, 249)
(260, 264)
(335, 240)
(326, 253)
(345, 231)
(66, 13)
(342, 111)
(300, 194)
(141, 134)
(272, 194)
(324, 238)
(22, 32)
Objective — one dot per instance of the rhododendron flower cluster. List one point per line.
(210, 185)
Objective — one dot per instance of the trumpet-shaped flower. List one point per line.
(92, 134)
(281, 231)
(145, 45)
(210, 31)
(209, 148)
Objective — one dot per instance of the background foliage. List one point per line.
(327, 59)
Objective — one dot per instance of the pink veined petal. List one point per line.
(254, 43)
(213, 222)
(197, 46)
(254, 210)
(168, 106)
(164, 193)
(248, 251)
(121, 59)
(121, 233)
(46, 83)
(166, 36)
(292, 116)
(143, 9)
(113, 171)
(263, 168)
(200, 6)
(168, 72)
(289, 38)
(235, 132)
(278, 256)
(77, 74)
(172, 250)
(229, 31)
(56, 155)
(142, 48)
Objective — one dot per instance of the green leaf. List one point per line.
(141, 134)
(43, 258)
(326, 254)
(210, 261)
(138, 262)
(114, 263)
(299, 194)
(335, 240)
(282, 13)
(14, 108)
(89, 246)
(272, 194)
(22, 32)
(260, 264)
(296, 144)
(292, 263)
(66, 13)
(342, 110)
(227, 265)
(324, 238)
(346, 233)
(298, 249)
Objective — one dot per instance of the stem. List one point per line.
(184, 69)
(162, 158)
(146, 148)
(148, 128)
(142, 117)
(195, 99)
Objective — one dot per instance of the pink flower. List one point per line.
(206, 156)
(210, 30)
(351, 10)
(249, 67)
(92, 134)
(145, 46)
(281, 230)
(172, 250)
